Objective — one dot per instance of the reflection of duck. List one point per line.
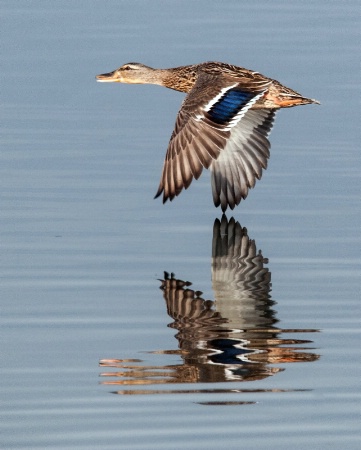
(222, 125)
(233, 338)
(225, 337)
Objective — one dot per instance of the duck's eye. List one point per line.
(127, 68)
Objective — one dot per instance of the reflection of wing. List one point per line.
(186, 306)
(240, 281)
(231, 339)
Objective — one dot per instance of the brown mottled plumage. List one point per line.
(222, 125)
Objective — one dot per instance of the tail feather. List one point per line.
(291, 100)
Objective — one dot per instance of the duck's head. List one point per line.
(130, 73)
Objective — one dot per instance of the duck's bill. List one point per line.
(108, 77)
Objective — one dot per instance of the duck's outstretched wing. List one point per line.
(243, 158)
(216, 129)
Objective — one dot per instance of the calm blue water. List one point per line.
(100, 347)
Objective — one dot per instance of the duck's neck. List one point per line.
(178, 78)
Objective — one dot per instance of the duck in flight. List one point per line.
(222, 125)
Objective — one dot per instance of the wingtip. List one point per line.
(159, 191)
(158, 194)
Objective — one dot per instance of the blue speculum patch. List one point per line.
(229, 105)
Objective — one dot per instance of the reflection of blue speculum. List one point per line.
(234, 337)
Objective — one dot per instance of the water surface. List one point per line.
(112, 304)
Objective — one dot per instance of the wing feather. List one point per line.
(248, 150)
(217, 129)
